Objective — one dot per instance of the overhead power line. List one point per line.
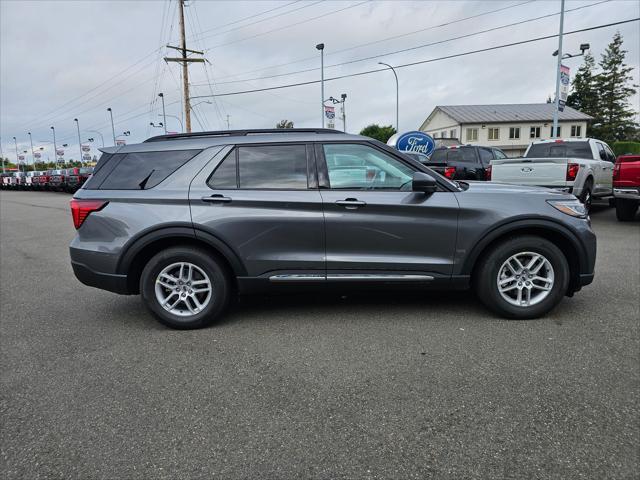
(424, 45)
(287, 26)
(462, 54)
(335, 52)
(218, 33)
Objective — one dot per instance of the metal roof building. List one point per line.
(510, 127)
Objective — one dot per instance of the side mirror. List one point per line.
(423, 182)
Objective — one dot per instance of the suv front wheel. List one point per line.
(184, 287)
(523, 277)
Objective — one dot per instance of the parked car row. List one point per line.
(61, 180)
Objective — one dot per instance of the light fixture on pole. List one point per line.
(179, 121)
(320, 47)
(113, 130)
(344, 112)
(164, 113)
(397, 95)
(79, 140)
(96, 131)
(159, 125)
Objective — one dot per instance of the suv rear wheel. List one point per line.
(523, 277)
(185, 287)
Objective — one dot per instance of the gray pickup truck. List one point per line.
(582, 166)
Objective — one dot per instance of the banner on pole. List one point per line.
(37, 155)
(330, 112)
(60, 152)
(86, 148)
(120, 142)
(565, 79)
(86, 157)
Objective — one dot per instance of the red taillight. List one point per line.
(616, 171)
(487, 173)
(450, 172)
(80, 209)
(572, 171)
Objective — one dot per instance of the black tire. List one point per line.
(486, 277)
(586, 197)
(221, 286)
(626, 209)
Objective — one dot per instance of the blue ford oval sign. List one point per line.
(418, 142)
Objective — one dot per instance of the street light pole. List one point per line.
(17, 159)
(397, 94)
(320, 47)
(554, 133)
(79, 140)
(55, 148)
(113, 130)
(33, 157)
(1, 157)
(164, 113)
(344, 112)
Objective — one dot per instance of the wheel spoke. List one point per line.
(165, 284)
(527, 295)
(537, 267)
(504, 281)
(532, 262)
(519, 297)
(199, 282)
(507, 289)
(201, 290)
(167, 277)
(189, 306)
(190, 273)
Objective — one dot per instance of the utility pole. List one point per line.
(554, 133)
(185, 66)
(228, 124)
(33, 157)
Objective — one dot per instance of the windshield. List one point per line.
(560, 150)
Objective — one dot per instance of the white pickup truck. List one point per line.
(582, 166)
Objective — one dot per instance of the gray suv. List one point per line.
(191, 220)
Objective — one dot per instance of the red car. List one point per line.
(626, 186)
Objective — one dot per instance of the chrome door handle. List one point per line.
(350, 203)
(216, 198)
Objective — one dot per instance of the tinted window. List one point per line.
(139, 171)
(224, 176)
(485, 155)
(465, 155)
(273, 166)
(560, 150)
(360, 167)
(439, 156)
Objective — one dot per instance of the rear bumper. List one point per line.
(630, 193)
(105, 281)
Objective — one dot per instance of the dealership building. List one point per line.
(509, 127)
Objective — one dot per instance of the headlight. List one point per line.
(575, 208)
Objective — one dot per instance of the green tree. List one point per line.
(379, 133)
(284, 124)
(584, 96)
(614, 88)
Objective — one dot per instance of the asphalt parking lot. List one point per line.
(420, 386)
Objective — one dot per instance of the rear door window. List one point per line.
(138, 170)
(224, 177)
(485, 156)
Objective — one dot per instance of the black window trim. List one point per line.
(312, 175)
(323, 172)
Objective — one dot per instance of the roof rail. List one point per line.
(237, 133)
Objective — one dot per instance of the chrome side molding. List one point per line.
(349, 277)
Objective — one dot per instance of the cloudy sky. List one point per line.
(61, 60)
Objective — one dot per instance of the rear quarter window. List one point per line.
(138, 170)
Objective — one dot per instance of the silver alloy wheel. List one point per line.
(183, 289)
(525, 279)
